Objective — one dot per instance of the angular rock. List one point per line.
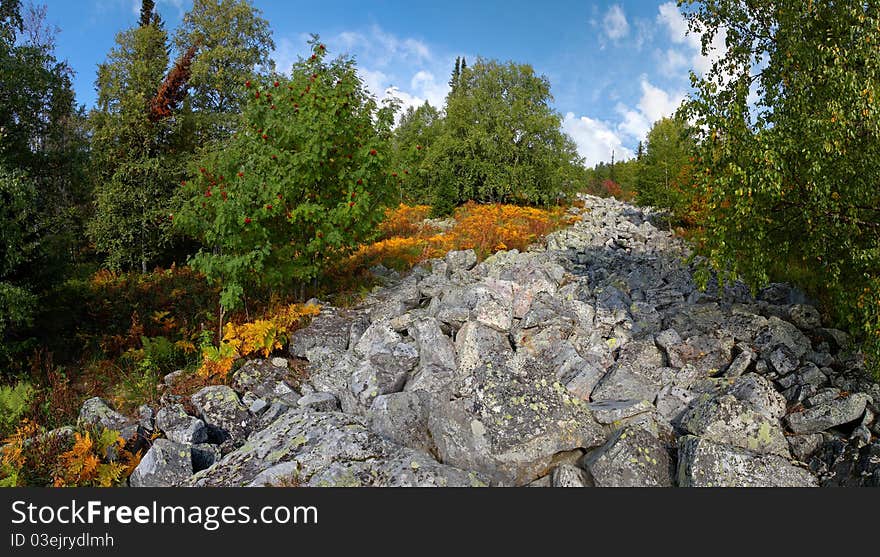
(461, 260)
(568, 475)
(223, 413)
(727, 420)
(166, 464)
(180, 427)
(403, 419)
(630, 458)
(702, 463)
(319, 402)
(265, 380)
(328, 449)
(830, 414)
(327, 330)
(610, 411)
(96, 412)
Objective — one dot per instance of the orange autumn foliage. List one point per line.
(486, 229)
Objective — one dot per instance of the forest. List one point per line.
(193, 216)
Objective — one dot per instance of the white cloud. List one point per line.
(614, 24)
(654, 104)
(676, 25)
(595, 140)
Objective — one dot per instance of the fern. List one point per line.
(14, 402)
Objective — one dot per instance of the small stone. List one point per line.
(319, 402)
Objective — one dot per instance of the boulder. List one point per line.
(327, 330)
(97, 412)
(727, 420)
(180, 427)
(328, 449)
(403, 419)
(319, 402)
(166, 464)
(631, 458)
(830, 414)
(265, 380)
(702, 463)
(224, 414)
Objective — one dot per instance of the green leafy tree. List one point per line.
(414, 138)
(235, 44)
(501, 140)
(137, 161)
(301, 185)
(791, 178)
(42, 187)
(663, 178)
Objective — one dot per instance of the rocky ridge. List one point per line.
(591, 360)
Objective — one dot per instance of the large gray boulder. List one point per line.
(327, 330)
(224, 414)
(166, 464)
(266, 381)
(830, 414)
(328, 449)
(636, 375)
(702, 463)
(726, 419)
(508, 420)
(97, 412)
(403, 419)
(631, 458)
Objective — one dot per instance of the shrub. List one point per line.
(302, 184)
(261, 337)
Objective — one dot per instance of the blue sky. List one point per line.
(615, 66)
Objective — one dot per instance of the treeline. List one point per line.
(200, 153)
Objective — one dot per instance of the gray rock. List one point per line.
(635, 376)
(584, 381)
(174, 377)
(508, 421)
(328, 449)
(319, 402)
(759, 394)
(727, 420)
(830, 414)
(783, 360)
(180, 427)
(803, 447)
(741, 363)
(610, 411)
(461, 260)
(96, 412)
(166, 464)
(672, 402)
(403, 419)
(146, 418)
(568, 475)
(805, 317)
(223, 413)
(702, 463)
(779, 332)
(327, 330)
(266, 381)
(630, 458)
